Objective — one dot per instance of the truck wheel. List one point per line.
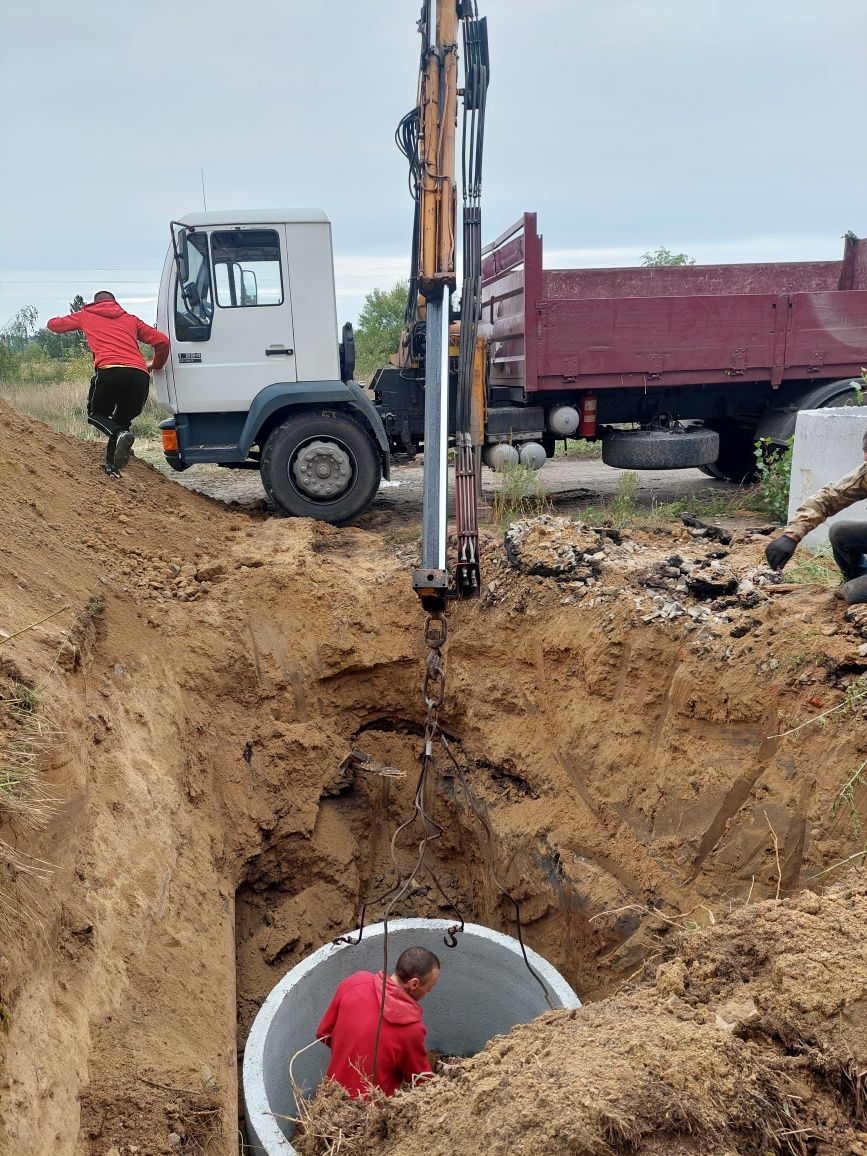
(321, 466)
(736, 460)
(660, 449)
(779, 424)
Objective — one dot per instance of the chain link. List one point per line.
(434, 685)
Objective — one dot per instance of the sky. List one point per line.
(732, 130)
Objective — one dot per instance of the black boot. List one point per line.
(111, 470)
(853, 591)
(123, 448)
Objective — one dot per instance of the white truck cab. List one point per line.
(257, 377)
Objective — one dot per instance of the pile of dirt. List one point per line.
(701, 573)
(204, 673)
(753, 1038)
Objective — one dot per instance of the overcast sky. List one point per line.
(731, 129)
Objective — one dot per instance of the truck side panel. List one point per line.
(567, 330)
(511, 288)
(701, 339)
(827, 333)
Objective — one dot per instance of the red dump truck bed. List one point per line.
(557, 330)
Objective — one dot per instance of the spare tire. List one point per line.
(660, 449)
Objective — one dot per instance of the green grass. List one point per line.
(845, 798)
(578, 450)
(55, 392)
(28, 733)
(813, 569)
(522, 494)
(625, 509)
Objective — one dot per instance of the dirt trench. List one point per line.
(210, 675)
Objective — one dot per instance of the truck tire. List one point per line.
(779, 424)
(660, 449)
(321, 465)
(736, 461)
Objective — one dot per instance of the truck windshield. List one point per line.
(194, 301)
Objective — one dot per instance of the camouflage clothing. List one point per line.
(829, 500)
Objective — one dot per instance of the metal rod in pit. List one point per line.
(436, 414)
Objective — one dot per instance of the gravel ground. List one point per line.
(570, 485)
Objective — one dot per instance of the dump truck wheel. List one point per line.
(736, 461)
(660, 449)
(779, 424)
(321, 465)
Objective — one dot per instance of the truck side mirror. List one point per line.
(249, 288)
(182, 256)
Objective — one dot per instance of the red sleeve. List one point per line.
(327, 1024)
(414, 1061)
(156, 339)
(63, 324)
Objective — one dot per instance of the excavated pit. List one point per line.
(215, 671)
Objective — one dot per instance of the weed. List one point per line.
(708, 506)
(856, 692)
(29, 733)
(55, 392)
(798, 659)
(578, 449)
(522, 494)
(816, 569)
(846, 798)
(775, 472)
(623, 506)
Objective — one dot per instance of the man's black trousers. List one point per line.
(117, 396)
(849, 543)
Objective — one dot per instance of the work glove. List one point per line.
(780, 551)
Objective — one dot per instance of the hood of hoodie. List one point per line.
(400, 1008)
(108, 309)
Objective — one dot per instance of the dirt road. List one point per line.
(569, 485)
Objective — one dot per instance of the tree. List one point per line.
(664, 256)
(14, 336)
(380, 325)
(63, 345)
(20, 328)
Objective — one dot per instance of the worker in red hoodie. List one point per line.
(119, 388)
(349, 1026)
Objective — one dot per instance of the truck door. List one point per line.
(235, 336)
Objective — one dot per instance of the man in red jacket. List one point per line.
(349, 1026)
(119, 388)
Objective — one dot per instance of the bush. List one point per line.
(775, 473)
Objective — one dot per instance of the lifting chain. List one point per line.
(434, 685)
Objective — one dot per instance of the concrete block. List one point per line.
(484, 989)
(827, 447)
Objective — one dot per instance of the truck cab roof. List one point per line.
(255, 217)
